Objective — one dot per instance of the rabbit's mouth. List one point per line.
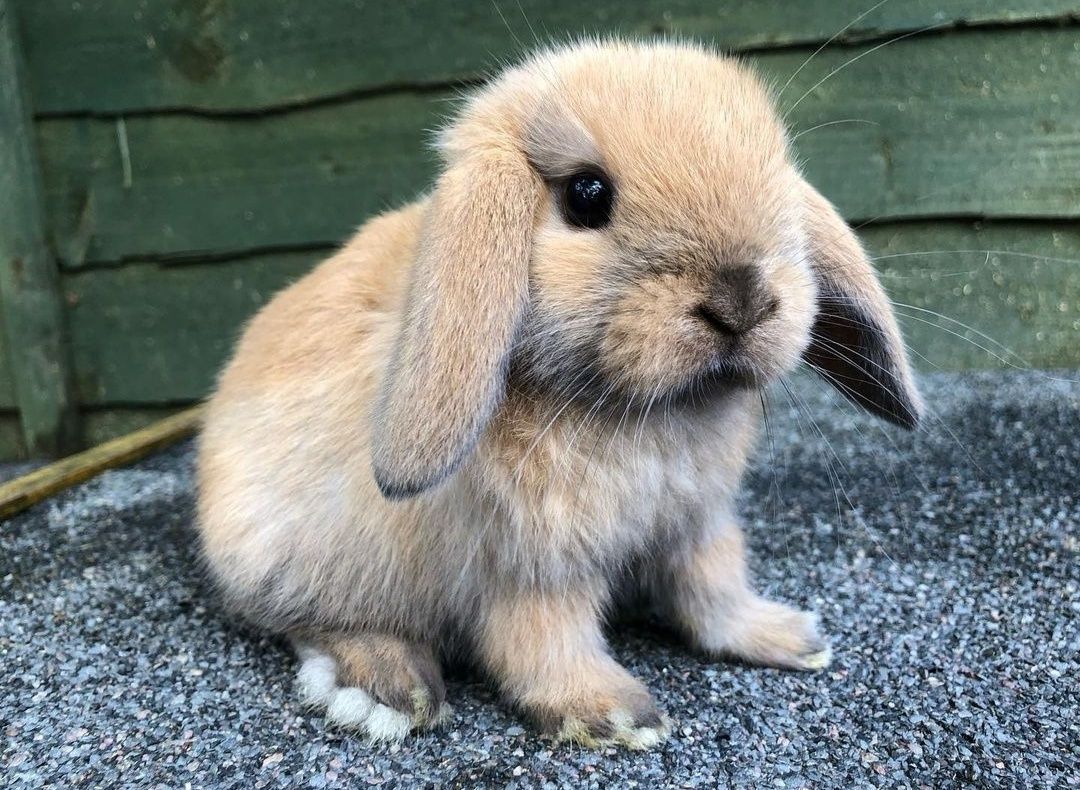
(736, 368)
(737, 372)
(716, 382)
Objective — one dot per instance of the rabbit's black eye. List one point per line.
(587, 200)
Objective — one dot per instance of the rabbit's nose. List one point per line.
(738, 301)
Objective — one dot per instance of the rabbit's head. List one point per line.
(623, 221)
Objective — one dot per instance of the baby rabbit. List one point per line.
(495, 407)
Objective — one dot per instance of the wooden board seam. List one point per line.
(472, 79)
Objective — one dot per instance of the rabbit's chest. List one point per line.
(613, 497)
(648, 499)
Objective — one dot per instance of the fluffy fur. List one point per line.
(475, 423)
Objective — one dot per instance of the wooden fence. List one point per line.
(169, 164)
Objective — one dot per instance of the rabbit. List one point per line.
(498, 406)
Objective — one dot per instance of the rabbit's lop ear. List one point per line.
(467, 294)
(856, 343)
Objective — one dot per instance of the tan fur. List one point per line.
(715, 604)
(552, 659)
(539, 403)
(398, 673)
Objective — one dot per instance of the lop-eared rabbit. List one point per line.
(498, 406)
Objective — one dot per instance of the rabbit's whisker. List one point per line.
(928, 411)
(828, 465)
(482, 533)
(800, 133)
(854, 511)
(1007, 357)
(774, 485)
(903, 310)
(543, 432)
(1027, 255)
(888, 470)
(859, 57)
(582, 479)
(520, 44)
(532, 30)
(831, 39)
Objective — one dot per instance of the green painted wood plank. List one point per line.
(979, 124)
(97, 426)
(29, 283)
(146, 333)
(7, 379)
(123, 55)
(984, 295)
(199, 185)
(101, 425)
(12, 446)
(38, 485)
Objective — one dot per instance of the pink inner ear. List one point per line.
(856, 355)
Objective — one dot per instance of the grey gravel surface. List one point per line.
(944, 565)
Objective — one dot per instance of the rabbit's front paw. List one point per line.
(772, 634)
(621, 715)
(377, 685)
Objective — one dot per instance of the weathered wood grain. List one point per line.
(984, 295)
(118, 56)
(206, 186)
(204, 130)
(974, 124)
(96, 426)
(22, 492)
(29, 280)
(7, 381)
(11, 439)
(102, 425)
(146, 334)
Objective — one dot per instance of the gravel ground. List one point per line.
(944, 565)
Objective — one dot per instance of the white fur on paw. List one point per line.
(304, 650)
(316, 679)
(638, 738)
(623, 732)
(772, 634)
(644, 738)
(355, 709)
(350, 707)
(443, 716)
(818, 660)
(387, 724)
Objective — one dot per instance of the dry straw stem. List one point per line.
(22, 492)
